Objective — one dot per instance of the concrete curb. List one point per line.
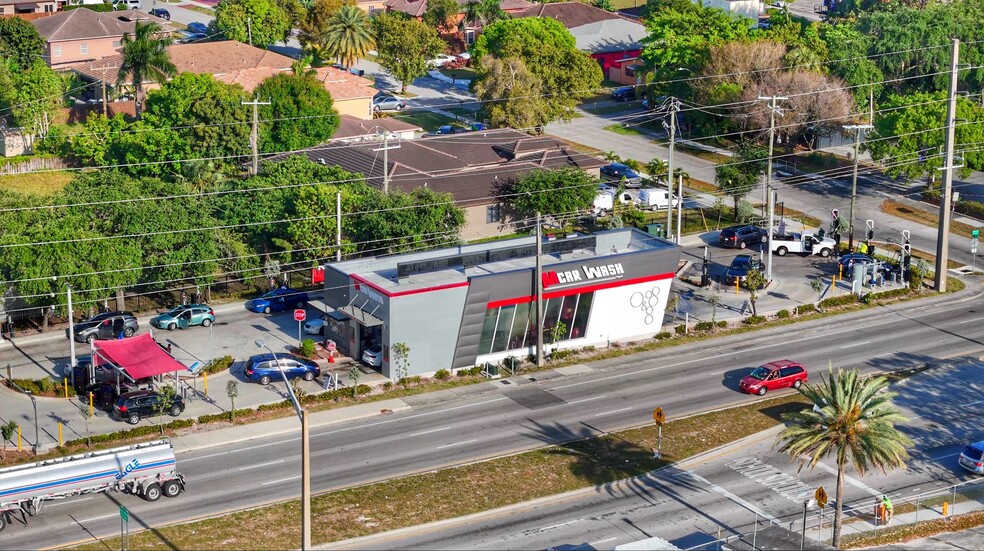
(286, 425)
(371, 542)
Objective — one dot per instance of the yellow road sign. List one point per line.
(659, 417)
(821, 496)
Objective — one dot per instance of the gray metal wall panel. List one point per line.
(427, 323)
(336, 287)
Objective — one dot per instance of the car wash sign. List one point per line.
(581, 275)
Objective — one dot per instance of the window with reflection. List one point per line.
(513, 327)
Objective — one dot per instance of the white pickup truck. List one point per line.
(802, 243)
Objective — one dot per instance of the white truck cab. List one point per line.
(805, 243)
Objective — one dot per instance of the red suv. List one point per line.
(774, 376)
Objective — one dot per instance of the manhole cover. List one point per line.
(505, 382)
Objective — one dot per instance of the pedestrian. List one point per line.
(887, 504)
(169, 349)
(184, 298)
(862, 248)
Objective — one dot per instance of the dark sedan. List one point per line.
(617, 171)
(623, 93)
(739, 268)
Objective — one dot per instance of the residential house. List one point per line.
(751, 9)
(466, 165)
(28, 9)
(611, 39)
(82, 35)
(416, 8)
(372, 6)
(354, 129)
(351, 94)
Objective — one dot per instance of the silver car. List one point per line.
(972, 458)
(386, 102)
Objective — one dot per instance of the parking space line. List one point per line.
(456, 444)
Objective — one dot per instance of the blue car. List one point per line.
(264, 368)
(617, 171)
(197, 27)
(278, 300)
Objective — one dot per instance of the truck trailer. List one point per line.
(147, 470)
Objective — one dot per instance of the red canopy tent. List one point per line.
(139, 356)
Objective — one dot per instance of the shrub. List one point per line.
(512, 363)
(217, 365)
(805, 309)
(389, 384)
(663, 335)
(704, 326)
(680, 329)
(307, 348)
(782, 314)
(561, 354)
(722, 324)
(842, 300)
(46, 385)
(442, 374)
(366, 389)
(753, 320)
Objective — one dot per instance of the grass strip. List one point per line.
(909, 532)
(452, 492)
(896, 208)
(36, 183)
(199, 9)
(624, 130)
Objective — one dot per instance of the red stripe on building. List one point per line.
(380, 290)
(579, 290)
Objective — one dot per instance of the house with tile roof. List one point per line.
(613, 40)
(28, 9)
(416, 8)
(467, 165)
(82, 35)
(352, 129)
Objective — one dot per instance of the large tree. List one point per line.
(35, 97)
(442, 15)
(740, 176)
(348, 36)
(145, 59)
(395, 222)
(300, 114)
(20, 42)
(548, 51)
(560, 193)
(261, 23)
(404, 45)
(482, 13)
(510, 94)
(853, 420)
(314, 25)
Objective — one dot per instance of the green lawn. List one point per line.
(623, 130)
(427, 120)
(463, 73)
(36, 183)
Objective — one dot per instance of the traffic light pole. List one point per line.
(857, 129)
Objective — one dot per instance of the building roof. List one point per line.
(595, 30)
(467, 165)
(352, 128)
(343, 85)
(229, 61)
(416, 8)
(82, 23)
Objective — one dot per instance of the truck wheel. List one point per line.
(152, 492)
(762, 390)
(824, 253)
(265, 380)
(781, 251)
(133, 418)
(266, 310)
(171, 488)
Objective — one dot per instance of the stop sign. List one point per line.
(300, 314)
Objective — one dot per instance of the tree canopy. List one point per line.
(348, 35)
(145, 58)
(261, 23)
(404, 45)
(20, 42)
(300, 114)
(559, 193)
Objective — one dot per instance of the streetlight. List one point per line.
(305, 454)
(806, 505)
(71, 332)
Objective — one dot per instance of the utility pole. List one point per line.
(249, 29)
(772, 221)
(679, 209)
(538, 283)
(943, 233)
(669, 167)
(767, 196)
(254, 134)
(338, 226)
(857, 129)
(385, 149)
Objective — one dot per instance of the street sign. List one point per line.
(975, 233)
(300, 314)
(124, 514)
(659, 417)
(821, 496)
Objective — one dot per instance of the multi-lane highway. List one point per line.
(493, 418)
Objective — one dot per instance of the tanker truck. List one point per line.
(147, 470)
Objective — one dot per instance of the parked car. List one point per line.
(439, 60)
(774, 376)
(127, 5)
(646, 104)
(623, 93)
(264, 368)
(105, 326)
(739, 268)
(848, 261)
(617, 171)
(740, 237)
(135, 405)
(278, 300)
(373, 356)
(192, 37)
(197, 27)
(316, 326)
(162, 13)
(184, 317)
(972, 458)
(387, 102)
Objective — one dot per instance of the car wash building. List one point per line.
(460, 307)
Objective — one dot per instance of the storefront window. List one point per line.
(580, 325)
(520, 326)
(503, 327)
(488, 329)
(551, 313)
(514, 327)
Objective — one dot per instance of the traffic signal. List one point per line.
(907, 248)
(871, 234)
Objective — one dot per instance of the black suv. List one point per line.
(106, 326)
(739, 237)
(135, 405)
(624, 93)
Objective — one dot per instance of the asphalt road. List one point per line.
(609, 394)
(730, 490)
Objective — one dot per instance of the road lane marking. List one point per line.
(281, 480)
(611, 412)
(694, 476)
(561, 525)
(429, 431)
(852, 481)
(586, 399)
(258, 465)
(852, 345)
(75, 523)
(971, 321)
(67, 502)
(277, 443)
(593, 543)
(456, 444)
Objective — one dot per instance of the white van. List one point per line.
(656, 198)
(605, 200)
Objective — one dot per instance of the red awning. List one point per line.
(139, 356)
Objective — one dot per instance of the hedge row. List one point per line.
(970, 208)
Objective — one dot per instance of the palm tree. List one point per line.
(854, 420)
(145, 58)
(657, 169)
(302, 67)
(482, 13)
(349, 35)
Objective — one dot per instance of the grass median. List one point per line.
(586, 461)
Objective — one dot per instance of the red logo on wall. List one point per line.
(549, 278)
(318, 274)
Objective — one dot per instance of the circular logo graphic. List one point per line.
(647, 302)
